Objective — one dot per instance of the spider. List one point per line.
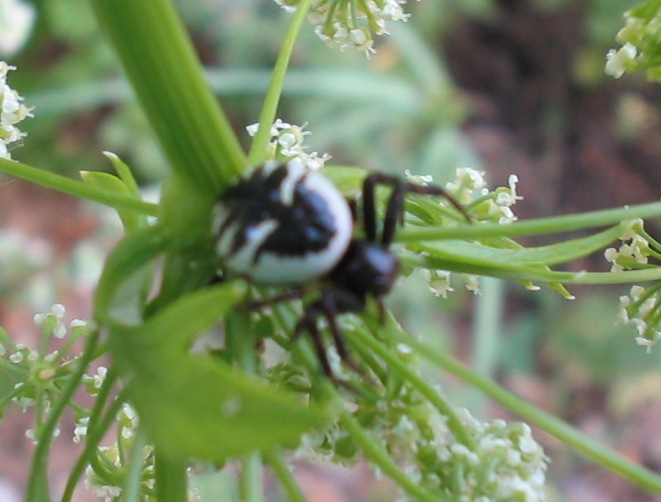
(282, 224)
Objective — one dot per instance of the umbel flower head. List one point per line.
(641, 43)
(641, 308)
(287, 142)
(348, 23)
(12, 111)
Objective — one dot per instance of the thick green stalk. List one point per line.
(166, 75)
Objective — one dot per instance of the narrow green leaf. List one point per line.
(76, 188)
(130, 219)
(124, 173)
(514, 256)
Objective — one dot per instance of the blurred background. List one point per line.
(505, 86)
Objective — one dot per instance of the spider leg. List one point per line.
(438, 192)
(395, 207)
(394, 211)
(309, 324)
(272, 300)
(369, 206)
(331, 303)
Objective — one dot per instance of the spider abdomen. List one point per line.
(282, 224)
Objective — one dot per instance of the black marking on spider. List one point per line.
(283, 224)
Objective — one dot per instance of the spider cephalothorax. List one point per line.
(283, 224)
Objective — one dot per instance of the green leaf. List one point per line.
(510, 256)
(197, 405)
(124, 173)
(130, 219)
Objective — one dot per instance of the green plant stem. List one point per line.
(242, 345)
(377, 454)
(556, 224)
(77, 188)
(37, 489)
(402, 368)
(171, 479)
(131, 488)
(97, 427)
(552, 425)
(284, 475)
(250, 487)
(534, 275)
(166, 75)
(272, 98)
(486, 333)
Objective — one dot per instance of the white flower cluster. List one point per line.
(350, 24)
(43, 370)
(641, 308)
(506, 462)
(12, 111)
(470, 189)
(633, 252)
(107, 484)
(287, 143)
(640, 39)
(500, 460)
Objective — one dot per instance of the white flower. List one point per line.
(287, 141)
(473, 283)
(94, 382)
(80, 429)
(16, 22)
(439, 282)
(617, 61)
(52, 321)
(634, 249)
(639, 309)
(12, 111)
(418, 179)
(285, 5)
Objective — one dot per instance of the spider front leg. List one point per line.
(332, 303)
(395, 207)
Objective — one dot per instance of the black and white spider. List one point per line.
(282, 224)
